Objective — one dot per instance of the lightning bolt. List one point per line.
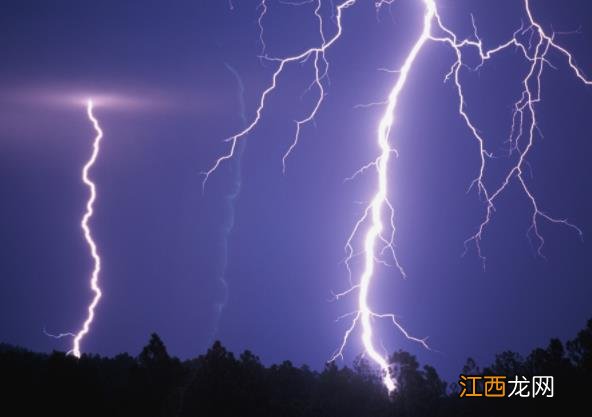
(231, 198)
(377, 225)
(94, 279)
(263, 7)
(524, 112)
(59, 335)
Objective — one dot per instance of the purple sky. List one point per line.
(168, 101)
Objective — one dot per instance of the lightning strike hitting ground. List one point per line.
(94, 280)
(377, 226)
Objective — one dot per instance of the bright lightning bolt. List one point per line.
(378, 218)
(94, 280)
(375, 210)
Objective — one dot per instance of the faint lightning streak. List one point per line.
(263, 7)
(296, 3)
(94, 281)
(231, 197)
(59, 335)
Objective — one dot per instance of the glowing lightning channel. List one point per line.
(379, 235)
(380, 201)
(94, 280)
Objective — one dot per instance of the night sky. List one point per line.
(168, 102)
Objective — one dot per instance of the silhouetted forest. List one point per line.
(220, 384)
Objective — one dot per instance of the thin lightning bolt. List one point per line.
(263, 7)
(231, 198)
(377, 220)
(282, 63)
(524, 108)
(94, 280)
(59, 335)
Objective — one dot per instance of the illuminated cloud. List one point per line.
(70, 97)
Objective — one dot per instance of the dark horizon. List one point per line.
(221, 383)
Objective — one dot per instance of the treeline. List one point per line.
(220, 384)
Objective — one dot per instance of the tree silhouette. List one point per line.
(154, 353)
(219, 384)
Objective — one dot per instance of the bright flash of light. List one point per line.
(377, 225)
(94, 279)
